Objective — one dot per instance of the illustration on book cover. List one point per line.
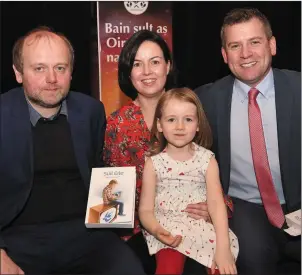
(111, 197)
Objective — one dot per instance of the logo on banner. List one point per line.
(136, 7)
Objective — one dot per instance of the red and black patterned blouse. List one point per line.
(126, 142)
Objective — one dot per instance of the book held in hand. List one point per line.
(111, 199)
(293, 221)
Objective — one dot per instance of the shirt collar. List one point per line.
(35, 116)
(264, 87)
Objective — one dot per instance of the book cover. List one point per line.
(111, 199)
(293, 221)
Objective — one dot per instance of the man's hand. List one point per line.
(198, 211)
(166, 237)
(7, 266)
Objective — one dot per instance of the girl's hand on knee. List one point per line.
(167, 238)
(213, 267)
(225, 262)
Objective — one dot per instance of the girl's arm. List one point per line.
(146, 208)
(218, 213)
(216, 205)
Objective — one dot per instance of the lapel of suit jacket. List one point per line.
(20, 136)
(223, 111)
(284, 102)
(79, 128)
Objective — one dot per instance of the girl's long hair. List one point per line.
(203, 137)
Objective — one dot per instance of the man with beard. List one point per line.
(50, 140)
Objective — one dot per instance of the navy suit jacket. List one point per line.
(216, 100)
(87, 120)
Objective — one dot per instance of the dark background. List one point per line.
(196, 36)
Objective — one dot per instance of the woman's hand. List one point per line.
(166, 237)
(198, 211)
(225, 262)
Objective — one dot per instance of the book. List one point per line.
(111, 198)
(293, 221)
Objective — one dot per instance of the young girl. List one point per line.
(180, 171)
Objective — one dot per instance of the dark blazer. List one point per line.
(216, 100)
(87, 120)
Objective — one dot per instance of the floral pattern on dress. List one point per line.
(178, 184)
(127, 140)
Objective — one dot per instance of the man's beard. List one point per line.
(43, 104)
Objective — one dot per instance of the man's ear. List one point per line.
(273, 46)
(18, 75)
(224, 55)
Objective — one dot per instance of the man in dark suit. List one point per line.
(50, 140)
(236, 106)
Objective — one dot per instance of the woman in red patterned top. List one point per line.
(145, 72)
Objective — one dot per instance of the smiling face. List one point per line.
(46, 71)
(150, 70)
(248, 51)
(178, 123)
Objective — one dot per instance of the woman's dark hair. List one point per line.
(127, 56)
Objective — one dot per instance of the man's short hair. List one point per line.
(241, 15)
(39, 32)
